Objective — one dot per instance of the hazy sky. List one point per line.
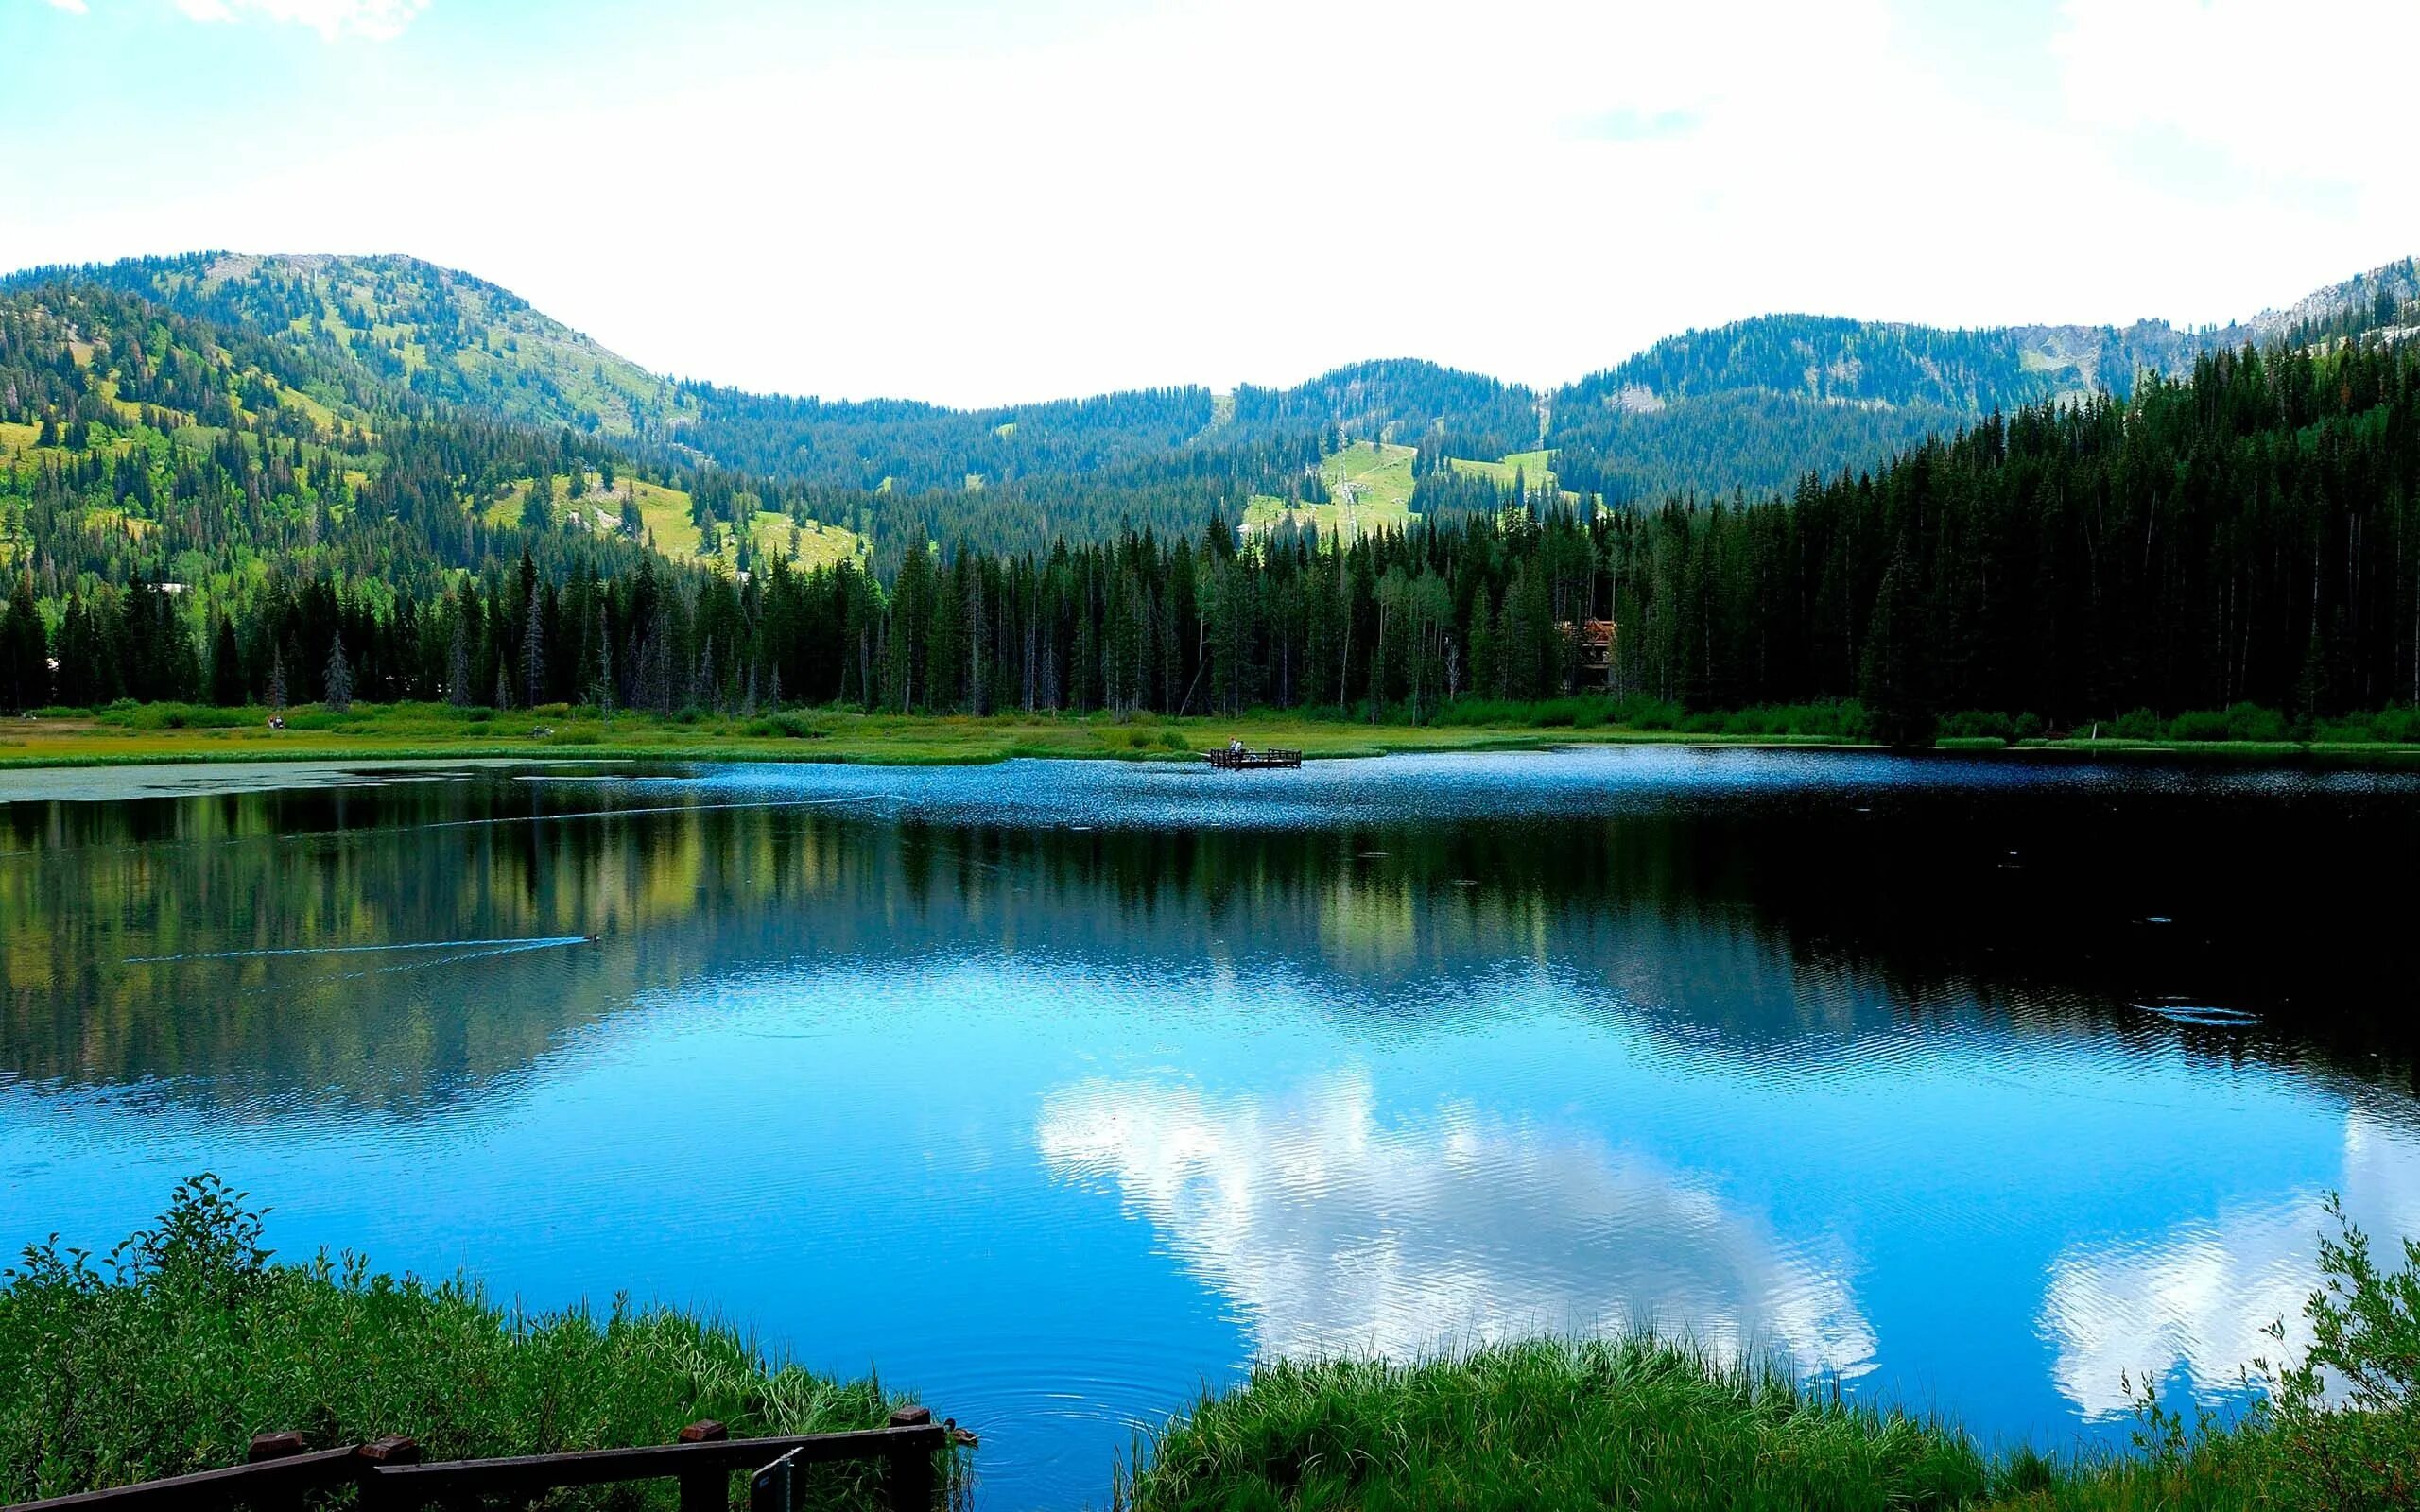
(970, 202)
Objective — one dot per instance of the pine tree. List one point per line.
(458, 666)
(337, 695)
(533, 653)
(226, 666)
(602, 694)
(277, 681)
(24, 655)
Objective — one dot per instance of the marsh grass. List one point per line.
(1633, 1422)
(167, 1355)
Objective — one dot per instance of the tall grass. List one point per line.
(167, 1356)
(1633, 1422)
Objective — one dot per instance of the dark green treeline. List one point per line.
(2248, 534)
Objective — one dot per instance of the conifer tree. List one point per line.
(226, 665)
(533, 653)
(337, 693)
(458, 666)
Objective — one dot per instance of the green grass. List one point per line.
(1535, 468)
(665, 514)
(1370, 489)
(1632, 1423)
(168, 1357)
(130, 734)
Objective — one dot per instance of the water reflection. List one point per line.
(1060, 1089)
(2194, 1302)
(1339, 1232)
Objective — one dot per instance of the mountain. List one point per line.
(1754, 405)
(1760, 404)
(430, 332)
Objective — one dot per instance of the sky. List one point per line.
(973, 202)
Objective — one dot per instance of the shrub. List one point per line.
(2138, 724)
(784, 726)
(1973, 724)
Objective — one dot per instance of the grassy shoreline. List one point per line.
(196, 1338)
(161, 735)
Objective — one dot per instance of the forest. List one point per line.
(2247, 535)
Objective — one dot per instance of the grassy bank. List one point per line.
(126, 734)
(187, 1340)
(1637, 1423)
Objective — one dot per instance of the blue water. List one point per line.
(1057, 1092)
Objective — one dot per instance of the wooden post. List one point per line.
(909, 1474)
(705, 1490)
(393, 1450)
(266, 1447)
(273, 1446)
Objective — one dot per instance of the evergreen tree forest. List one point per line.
(189, 515)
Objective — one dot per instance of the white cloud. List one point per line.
(379, 20)
(74, 8)
(2303, 90)
(1255, 190)
(1337, 1233)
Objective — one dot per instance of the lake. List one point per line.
(1058, 1091)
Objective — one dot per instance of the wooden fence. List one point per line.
(389, 1473)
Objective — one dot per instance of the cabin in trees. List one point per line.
(1595, 640)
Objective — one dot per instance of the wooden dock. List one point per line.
(1252, 761)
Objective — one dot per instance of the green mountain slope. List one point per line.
(407, 325)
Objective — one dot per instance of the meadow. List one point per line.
(1369, 487)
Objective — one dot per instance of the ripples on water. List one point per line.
(1060, 1090)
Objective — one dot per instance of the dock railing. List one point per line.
(389, 1477)
(1234, 759)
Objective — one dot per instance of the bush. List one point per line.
(2204, 724)
(787, 727)
(2138, 724)
(178, 716)
(196, 1341)
(1976, 724)
(2240, 721)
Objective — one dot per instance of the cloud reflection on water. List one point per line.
(1332, 1230)
(2197, 1299)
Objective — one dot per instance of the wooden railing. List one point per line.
(391, 1477)
(1235, 760)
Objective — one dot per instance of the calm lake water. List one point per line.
(1057, 1090)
